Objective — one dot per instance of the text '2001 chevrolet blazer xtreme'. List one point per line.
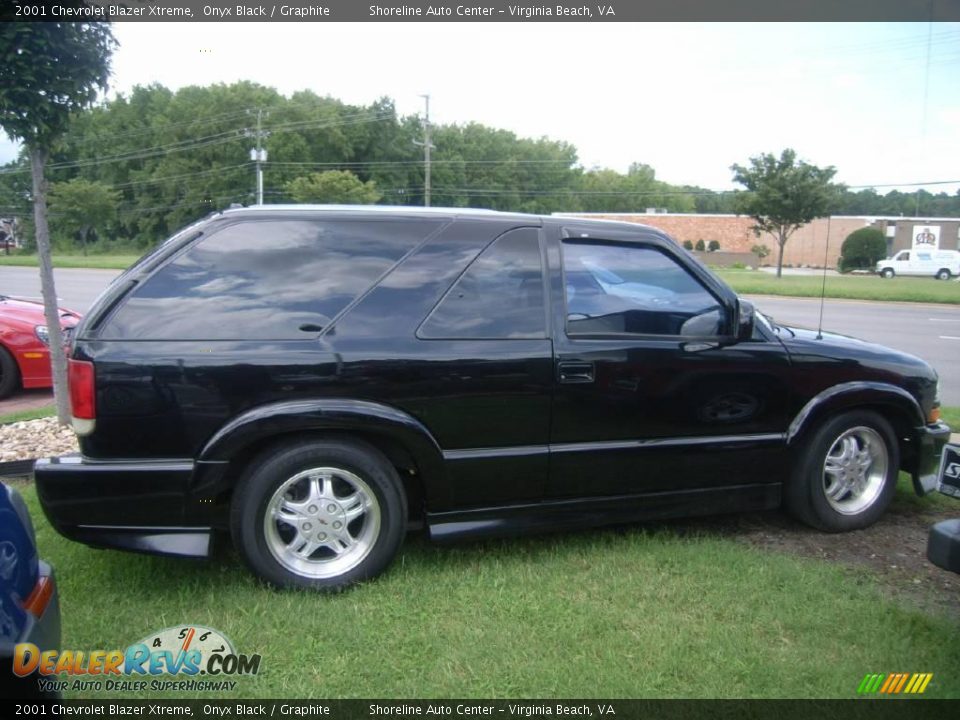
(317, 380)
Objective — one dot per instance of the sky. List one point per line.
(878, 101)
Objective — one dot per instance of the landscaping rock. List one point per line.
(36, 439)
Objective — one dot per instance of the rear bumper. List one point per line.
(127, 505)
(930, 442)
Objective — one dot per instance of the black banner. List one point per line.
(507, 709)
(481, 11)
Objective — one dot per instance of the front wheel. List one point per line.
(319, 514)
(847, 474)
(9, 374)
(887, 273)
(943, 274)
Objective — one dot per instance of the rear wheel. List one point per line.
(887, 273)
(320, 514)
(9, 374)
(847, 475)
(943, 274)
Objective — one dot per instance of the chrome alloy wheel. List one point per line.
(855, 470)
(322, 522)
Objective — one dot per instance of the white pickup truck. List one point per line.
(941, 264)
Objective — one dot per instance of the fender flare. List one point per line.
(360, 416)
(850, 396)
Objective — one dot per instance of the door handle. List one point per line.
(575, 372)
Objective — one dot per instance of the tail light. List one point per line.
(83, 405)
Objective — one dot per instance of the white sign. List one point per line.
(926, 237)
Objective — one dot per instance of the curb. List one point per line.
(17, 468)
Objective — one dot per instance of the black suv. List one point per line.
(317, 380)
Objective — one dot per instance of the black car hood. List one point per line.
(828, 344)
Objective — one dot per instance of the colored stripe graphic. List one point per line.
(903, 680)
(894, 683)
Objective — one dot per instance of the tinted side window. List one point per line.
(264, 279)
(625, 289)
(499, 296)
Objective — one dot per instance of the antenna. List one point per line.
(823, 286)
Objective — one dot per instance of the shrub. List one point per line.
(687, 245)
(862, 249)
(713, 246)
(700, 246)
(761, 251)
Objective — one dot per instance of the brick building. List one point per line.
(809, 245)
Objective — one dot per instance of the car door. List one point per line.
(649, 396)
(901, 263)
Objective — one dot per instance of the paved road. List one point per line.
(928, 331)
(931, 332)
(76, 288)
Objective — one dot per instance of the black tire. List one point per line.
(943, 274)
(820, 498)
(887, 273)
(9, 374)
(279, 551)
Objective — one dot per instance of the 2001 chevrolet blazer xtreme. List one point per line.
(317, 380)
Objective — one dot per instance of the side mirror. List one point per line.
(746, 316)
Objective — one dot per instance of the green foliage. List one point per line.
(862, 249)
(713, 245)
(761, 251)
(687, 245)
(79, 207)
(49, 71)
(700, 246)
(784, 194)
(608, 191)
(333, 186)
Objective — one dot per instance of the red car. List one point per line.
(24, 345)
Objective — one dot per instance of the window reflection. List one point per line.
(499, 296)
(623, 289)
(264, 279)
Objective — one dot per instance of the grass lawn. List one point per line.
(951, 416)
(110, 262)
(856, 287)
(631, 613)
(33, 414)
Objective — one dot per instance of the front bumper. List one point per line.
(139, 505)
(930, 440)
(42, 630)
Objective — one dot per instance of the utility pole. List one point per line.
(427, 146)
(259, 154)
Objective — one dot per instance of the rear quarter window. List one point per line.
(265, 280)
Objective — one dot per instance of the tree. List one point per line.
(700, 246)
(761, 251)
(784, 194)
(48, 72)
(81, 206)
(862, 248)
(713, 245)
(333, 186)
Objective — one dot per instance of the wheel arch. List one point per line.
(894, 404)
(404, 440)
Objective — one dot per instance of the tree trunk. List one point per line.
(51, 312)
(781, 241)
